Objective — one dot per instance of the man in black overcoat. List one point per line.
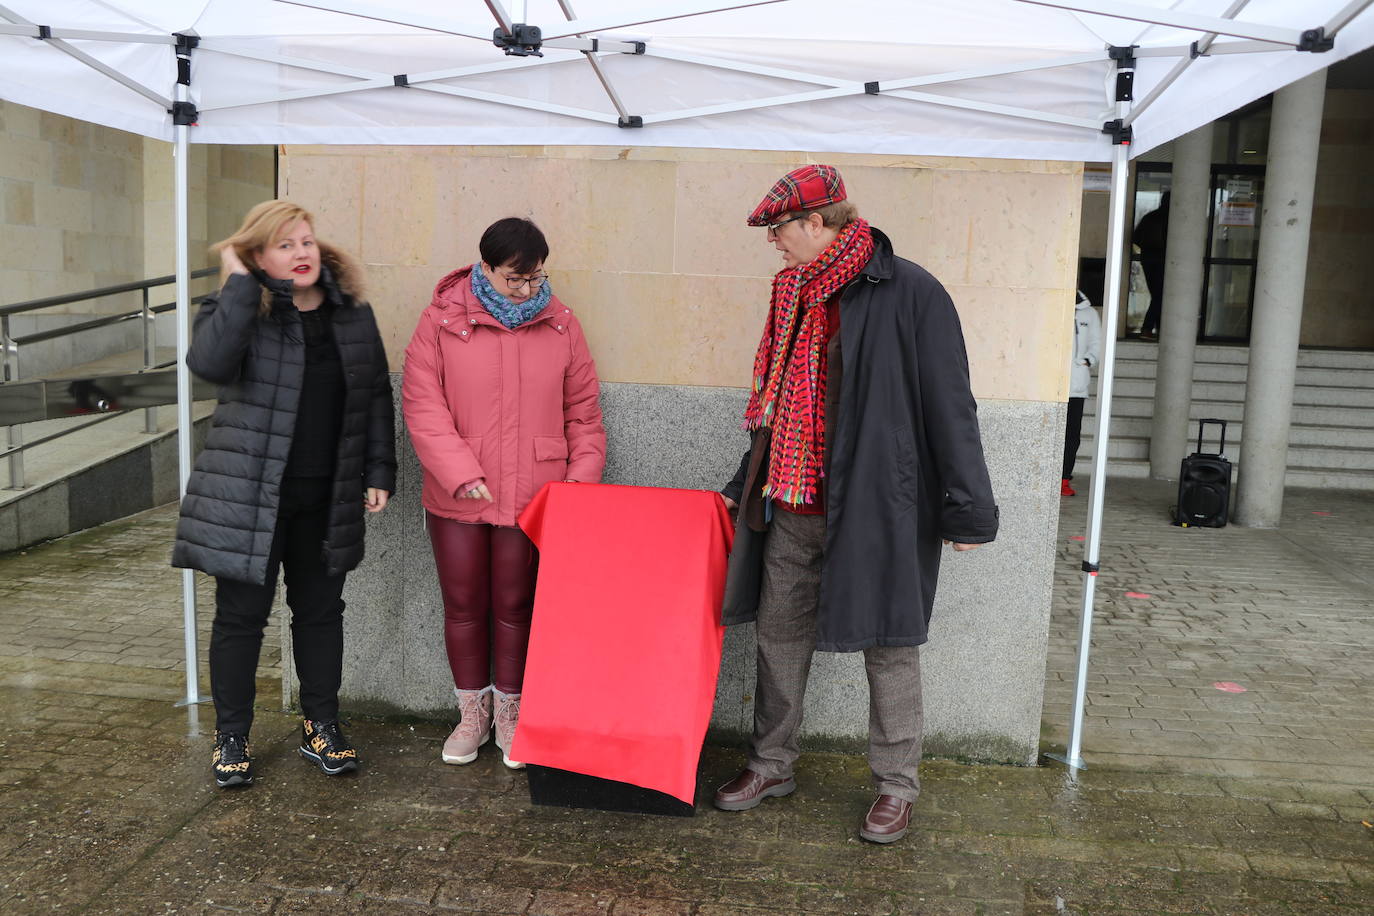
(865, 457)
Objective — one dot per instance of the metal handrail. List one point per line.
(106, 321)
(9, 349)
(99, 293)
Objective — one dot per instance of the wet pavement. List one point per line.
(1196, 799)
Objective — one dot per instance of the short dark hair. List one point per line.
(514, 242)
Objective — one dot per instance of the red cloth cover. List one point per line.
(625, 644)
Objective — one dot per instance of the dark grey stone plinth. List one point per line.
(983, 668)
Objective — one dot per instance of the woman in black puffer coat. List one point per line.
(300, 444)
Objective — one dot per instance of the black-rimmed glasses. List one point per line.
(515, 283)
(774, 227)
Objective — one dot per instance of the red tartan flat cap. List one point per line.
(805, 188)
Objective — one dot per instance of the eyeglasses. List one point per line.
(774, 227)
(514, 284)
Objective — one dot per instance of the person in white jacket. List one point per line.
(1087, 345)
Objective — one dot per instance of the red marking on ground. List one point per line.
(1321, 512)
(1228, 687)
(1139, 595)
(1076, 537)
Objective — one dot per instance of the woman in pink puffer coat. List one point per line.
(500, 397)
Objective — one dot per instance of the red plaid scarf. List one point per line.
(789, 383)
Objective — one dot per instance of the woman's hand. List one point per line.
(374, 500)
(729, 503)
(234, 264)
(961, 547)
(478, 492)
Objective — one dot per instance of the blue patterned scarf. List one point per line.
(510, 314)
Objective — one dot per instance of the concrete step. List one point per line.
(1303, 395)
(1316, 478)
(1317, 458)
(1307, 377)
(1123, 407)
(1300, 434)
(1221, 353)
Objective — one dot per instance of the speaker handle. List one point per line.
(1202, 424)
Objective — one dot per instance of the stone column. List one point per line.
(1183, 274)
(1285, 226)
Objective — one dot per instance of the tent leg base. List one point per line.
(187, 701)
(1075, 764)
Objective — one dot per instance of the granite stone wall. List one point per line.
(983, 670)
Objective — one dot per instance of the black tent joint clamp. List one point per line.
(631, 121)
(44, 32)
(521, 41)
(184, 114)
(1090, 568)
(1124, 55)
(400, 79)
(1121, 133)
(1316, 40)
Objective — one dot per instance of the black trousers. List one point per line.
(315, 599)
(1073, 435)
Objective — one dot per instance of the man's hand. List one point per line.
(375, 499)
(961, 547)
(729, 503)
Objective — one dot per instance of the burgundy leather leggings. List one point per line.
(486, 575)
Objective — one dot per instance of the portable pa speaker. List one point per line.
(1204, 485)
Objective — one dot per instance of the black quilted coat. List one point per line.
(229, 514)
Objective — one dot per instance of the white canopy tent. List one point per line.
(1075, 80)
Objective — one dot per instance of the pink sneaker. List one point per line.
(474, 727)
(507, 717)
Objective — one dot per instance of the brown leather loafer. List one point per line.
(748, 789)
(887, 820)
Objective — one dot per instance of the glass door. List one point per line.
(1153, 181)
(1232, 252)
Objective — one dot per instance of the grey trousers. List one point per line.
(786, 630)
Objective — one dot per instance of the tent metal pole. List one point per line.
(1181, 19)
(1342, 19)
(1199, 49)
(929, 79)
(614, 96)
(31, 31)
(1116, 248)
(180, 155)
(88, 60)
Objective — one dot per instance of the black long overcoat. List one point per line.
(229, 515)
(906, 465)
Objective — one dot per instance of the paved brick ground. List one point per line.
(107, 596)
(1286, 614)
(1195, 800)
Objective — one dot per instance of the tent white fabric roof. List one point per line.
(986, 78)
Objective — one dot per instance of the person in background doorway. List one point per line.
(1087, 345)
(500, 396)
(1151, 236)
(301, 442)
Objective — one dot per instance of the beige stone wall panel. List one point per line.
(398, 295)
(332, 188)
(650, 248)
(1017, 340)
(17, 202)
(668, 329)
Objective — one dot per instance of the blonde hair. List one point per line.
(263, 225)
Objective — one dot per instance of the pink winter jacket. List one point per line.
(514, 408)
